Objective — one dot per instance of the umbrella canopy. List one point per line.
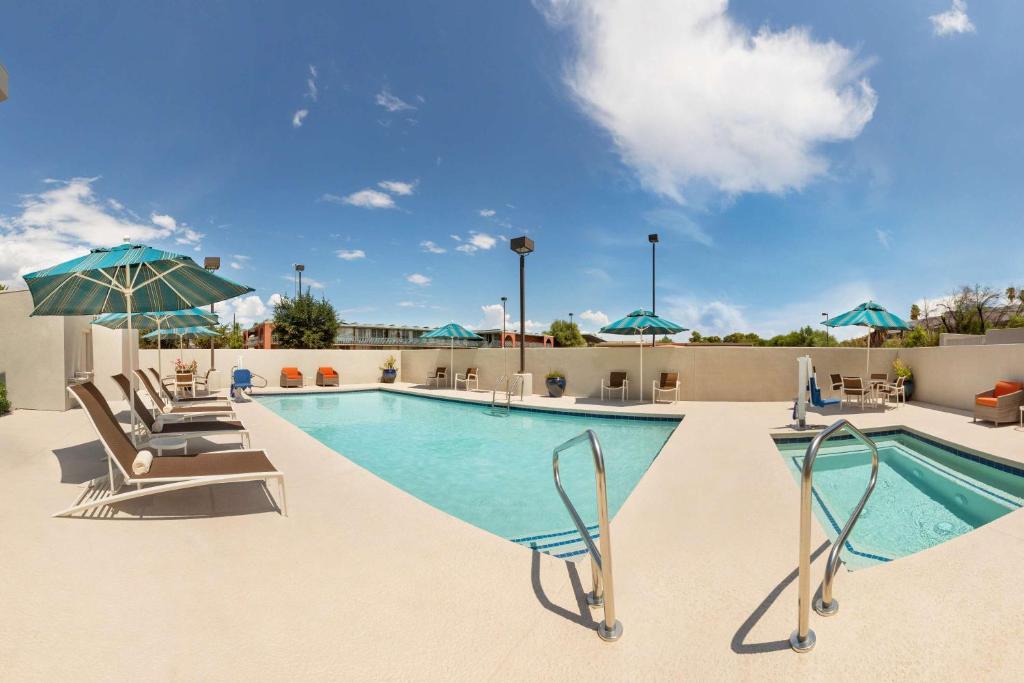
(158, 320)
(870, 315)
(191, 331)
(641, 322)
(452, 331)
(128, 278)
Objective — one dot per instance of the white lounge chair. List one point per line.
(153, 475)
(668, 383)
(617, 381)
(470, 377)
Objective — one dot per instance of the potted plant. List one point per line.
(903, 370)
(389, 371)
(555, 381)
(5, 404)
(182, 366)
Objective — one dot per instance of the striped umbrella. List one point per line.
(872, 316)
(641, 322)
(128, 278)
(452, 331)
(160, 321)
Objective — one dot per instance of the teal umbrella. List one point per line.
(872, 316)
(159, 320)
(641, 322)
(452, 331)
(128, 278)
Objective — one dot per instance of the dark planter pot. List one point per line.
(556, 387)
(388, 376)
(908, 388)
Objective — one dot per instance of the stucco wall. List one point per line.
(707, 373)
(34, 359)
(952, 375)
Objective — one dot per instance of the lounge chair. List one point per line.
(668, 383)
(895, 391)
(854, 390)
(165, 391)
(1001, 403)
(469, 377)
(327, 377)
(153, 475)
(185, 430)
(291, 377)
(439, 374)
(167, 412)
(617, 381)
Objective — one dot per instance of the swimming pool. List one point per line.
(492, 470)
(927, 492)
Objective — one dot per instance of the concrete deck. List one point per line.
(363, 581)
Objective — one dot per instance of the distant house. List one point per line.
(492, 338)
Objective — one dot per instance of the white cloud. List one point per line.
(350, 254)
(391, 102)
(366, 199)
(399, 187)
(432, 248)
(597, 319)
(313, 72)
(884, 237)
(475, 242)
(491, 319)
(312, 92)
(952, 21)
(274, 299)
(680, 224)
(418, 279)
(239, 261)
(66, 220)
(487, 213)
(299, 117)
(691, 97)
(247, 310)
(408, 304)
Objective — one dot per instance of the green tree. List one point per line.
(915, 312)
(5, 404)
(695, 337)
(743, 338)
(305, 323)
(566, 333)
(918, 336)
(3, 287)
(665, 340)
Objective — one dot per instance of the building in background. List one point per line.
(492, 338)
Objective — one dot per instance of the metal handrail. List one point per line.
(802, 639)
(610, 629)
(510, 387)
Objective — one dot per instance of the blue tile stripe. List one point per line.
(540, 537)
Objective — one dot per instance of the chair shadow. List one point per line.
(81, 463)
(581, 615)
(739, 646)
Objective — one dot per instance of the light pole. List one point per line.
(298, 271)
(522, 246)
(504, 353)
(653, 239)
(825, 316)
(212, 263)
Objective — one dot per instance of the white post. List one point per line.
(641, 368)
(803, 377)
(867, 373)
(131, 345)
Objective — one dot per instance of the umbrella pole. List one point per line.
(159, 355)
(641, 368)
(131, 356)
(867, 368)
(451, 360)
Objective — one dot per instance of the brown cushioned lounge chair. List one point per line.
(327, 377)
(191, 411)
(617, 381)
(166, 473)
(187, 430)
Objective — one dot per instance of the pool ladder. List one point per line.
(603, 595)
(802, 639)
(512, 385)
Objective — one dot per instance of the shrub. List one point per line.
(555, 374)
(305, 323)
(902, 369)
(5, 404)
(390, 364)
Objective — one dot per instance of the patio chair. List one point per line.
(617, 381)
(667, 383)
(149, 475)
(169, 397)
(327, 377)
(878, 379)
(188, 411)
(817, 401)
(837, 381)
(471, 376)
(854, 390)
(184, 381)
(439, 374)
(1001, 403)
(201, 382)
(895, 391)
(291, 378)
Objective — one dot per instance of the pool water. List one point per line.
(925, 494)
(492, 470)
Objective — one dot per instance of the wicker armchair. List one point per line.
(291, 377)
(327, 377)
(1000, 404)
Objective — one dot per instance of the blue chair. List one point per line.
(816, 400)
(241, 379)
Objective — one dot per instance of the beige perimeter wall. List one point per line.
(952, 375)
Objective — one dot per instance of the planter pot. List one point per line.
(388, 376)
(556, 386)
(908, 387)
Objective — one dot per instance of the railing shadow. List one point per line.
(738, 645)
(582, 615)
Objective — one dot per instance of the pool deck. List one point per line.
(362, 581)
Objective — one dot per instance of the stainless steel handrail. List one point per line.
(511, 384)
(802, 639)
(610, 629)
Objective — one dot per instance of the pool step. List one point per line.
(566, 545)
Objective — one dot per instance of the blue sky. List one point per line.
(795, 157)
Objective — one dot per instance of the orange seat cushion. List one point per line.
(291, 372)
(327, 372)
(1003, 388)
(989, 401)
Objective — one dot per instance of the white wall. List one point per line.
(952, 375)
